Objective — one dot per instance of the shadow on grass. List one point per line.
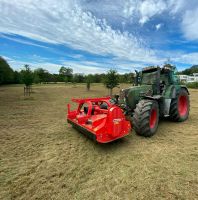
(115, 145)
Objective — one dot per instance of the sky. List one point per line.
(93, 36)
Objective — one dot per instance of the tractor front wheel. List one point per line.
(146, 118)
(179, 108)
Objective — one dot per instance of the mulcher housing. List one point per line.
(99, 119)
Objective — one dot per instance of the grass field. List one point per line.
(42, 157)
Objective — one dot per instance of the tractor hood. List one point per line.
(131, 96)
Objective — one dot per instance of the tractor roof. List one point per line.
(150, 69)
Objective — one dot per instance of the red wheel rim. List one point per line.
(153, 118)
(182, 105)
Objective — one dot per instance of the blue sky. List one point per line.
(92, 36)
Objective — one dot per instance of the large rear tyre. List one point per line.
(146, 118)
(179, 108)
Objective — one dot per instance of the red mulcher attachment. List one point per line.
(99, 119)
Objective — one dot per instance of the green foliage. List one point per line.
(190, 71)
(126, 78)
(98, 78)
(37, 78)
(192, 85)
(78, 78)
(111, 79)
(41, 75)
(6, 72)
(88, 81)
(88, 86)
(66, 74)
(17, 77)
(27, 75)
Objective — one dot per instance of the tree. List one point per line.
(88, 81)
(41, 75)
(111, 80)
(78, 78)
(37, 78)
(17, 77)
(126, 78)
(27, 76)
(6, 72)
(190, 71)
(66, 74)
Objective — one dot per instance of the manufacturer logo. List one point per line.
(117, 121)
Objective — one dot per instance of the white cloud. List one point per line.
(87, 67)
(145, 10)
(190, 58)
(176, 6)
(69, 23)
(129, 8)
(177, 9)
(158, 26)
(78, 67)
(190, 24)
(21, 41)
(149, 8)
(63, 22)
(6, 58)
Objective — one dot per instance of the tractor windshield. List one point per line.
(149, 78)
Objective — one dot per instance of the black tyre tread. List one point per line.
(141, 118)
(174, 114)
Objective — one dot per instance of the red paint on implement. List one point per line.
(105, 124)
(182, 105)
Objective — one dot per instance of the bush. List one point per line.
(6, 72)
(27, 75)
(111, 80)
(192, 85)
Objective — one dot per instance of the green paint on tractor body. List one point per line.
(153, 83)
(131, 96)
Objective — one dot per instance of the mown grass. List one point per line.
(42, 157)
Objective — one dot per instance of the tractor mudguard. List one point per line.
(184, 87)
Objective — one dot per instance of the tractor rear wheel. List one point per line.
(146, 117)
(179, 108)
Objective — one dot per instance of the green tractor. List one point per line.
(157, 94)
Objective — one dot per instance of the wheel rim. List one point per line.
(183, 105)
(153, 118)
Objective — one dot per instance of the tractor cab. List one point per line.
(166, 74)
(159, 78)
(150, 75)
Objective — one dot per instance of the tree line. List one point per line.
(190, 71)
(41, 75)
(27, 76)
